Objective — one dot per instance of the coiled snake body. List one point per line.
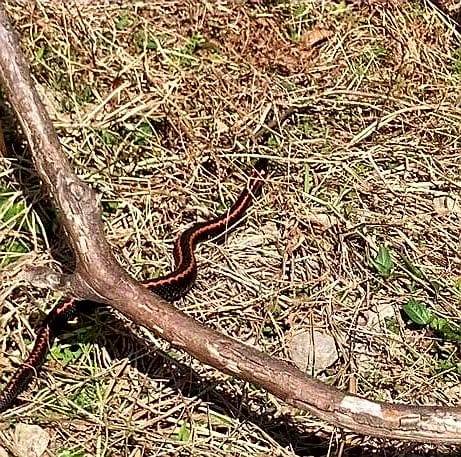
(170, 287)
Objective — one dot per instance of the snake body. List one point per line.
(171, 287)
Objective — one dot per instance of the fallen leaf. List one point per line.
(453, 391)
(295, 238)
(322, 220)
(221, 126)
(314, 37)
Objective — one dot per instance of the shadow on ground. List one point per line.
(120, 342)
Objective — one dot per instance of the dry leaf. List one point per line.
(314, 37)
(221, 127)
(322, 220)
(295, 238)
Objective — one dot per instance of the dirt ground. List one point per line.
(156, 102)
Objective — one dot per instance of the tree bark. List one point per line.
(99, 277)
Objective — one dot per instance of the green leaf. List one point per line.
(11, 251)
(446, 329)
(418, 312)
(67, 354)
(39, 53)
(110, 206)
(184, 432)
(439, 324)
(72, 453)
(123, 21)
(383, 262)
(445, 365)
(413, 269)
(87, 396)
(268, 331)
(458, 284)
(392, 325)
(339, 8)
(457, 61)
(108, 137)
(143, 40)
(195, 42)
(143, 133)
(272, 141)
(84, 94)
(10, 209)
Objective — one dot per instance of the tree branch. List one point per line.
(99, 277)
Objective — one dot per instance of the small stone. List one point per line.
(312, 351)
(446, 205)
(377, 316)
(30, 440)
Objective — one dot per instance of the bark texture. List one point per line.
(99, 277)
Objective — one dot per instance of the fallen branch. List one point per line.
(99, 277)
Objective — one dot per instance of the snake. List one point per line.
(170, 287)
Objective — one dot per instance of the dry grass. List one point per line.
(155, 103)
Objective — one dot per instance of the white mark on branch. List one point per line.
(231, 365)
(441, 423)
(131, 291)
(214, 352)
(147, 308)
(157, 329)
(358, 405)
(78, 190)
(82, 243)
